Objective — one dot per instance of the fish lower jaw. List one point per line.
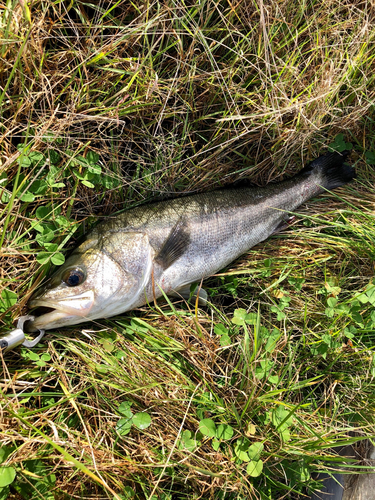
(51, 320)
(49, 315)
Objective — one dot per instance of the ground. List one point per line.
(106, 106)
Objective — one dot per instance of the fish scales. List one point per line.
(135, 257)
(222, 225)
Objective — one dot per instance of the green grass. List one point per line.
(105, 106)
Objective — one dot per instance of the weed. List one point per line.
(107, 106)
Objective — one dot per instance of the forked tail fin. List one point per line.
(331, 170)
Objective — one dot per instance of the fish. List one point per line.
(162, 248)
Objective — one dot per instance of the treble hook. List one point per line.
(17, 336)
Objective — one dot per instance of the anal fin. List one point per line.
(186, 293)
(284, 224)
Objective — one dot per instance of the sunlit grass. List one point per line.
(108, 106)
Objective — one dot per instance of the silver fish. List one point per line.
(162, 248)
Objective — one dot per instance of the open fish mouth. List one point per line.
(47, 318)
(41, 310)
(53, 314)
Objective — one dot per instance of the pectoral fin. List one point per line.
(174, 246)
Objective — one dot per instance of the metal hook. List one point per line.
(17, 336)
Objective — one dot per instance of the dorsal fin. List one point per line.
(174, 246)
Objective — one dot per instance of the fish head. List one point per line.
(103, 277)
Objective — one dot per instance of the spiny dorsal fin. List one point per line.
(174, 246)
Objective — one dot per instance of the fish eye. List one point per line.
(73, 277)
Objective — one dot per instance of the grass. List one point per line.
(109, 105)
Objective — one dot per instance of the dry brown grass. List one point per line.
(177, 98)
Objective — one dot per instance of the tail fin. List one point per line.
(331, 169)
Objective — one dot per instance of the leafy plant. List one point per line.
(188, 441)
(7, 300)
(140, 420)
(279, 309)
(282, 419)
(264, 370)
(36, 481)
(224, 332)
(255, 466)
(370, 157)
(39, 359)
(250, 454)
(339, 144)
(7, 473)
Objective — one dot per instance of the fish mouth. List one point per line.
(53, 318)
(57, 313)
